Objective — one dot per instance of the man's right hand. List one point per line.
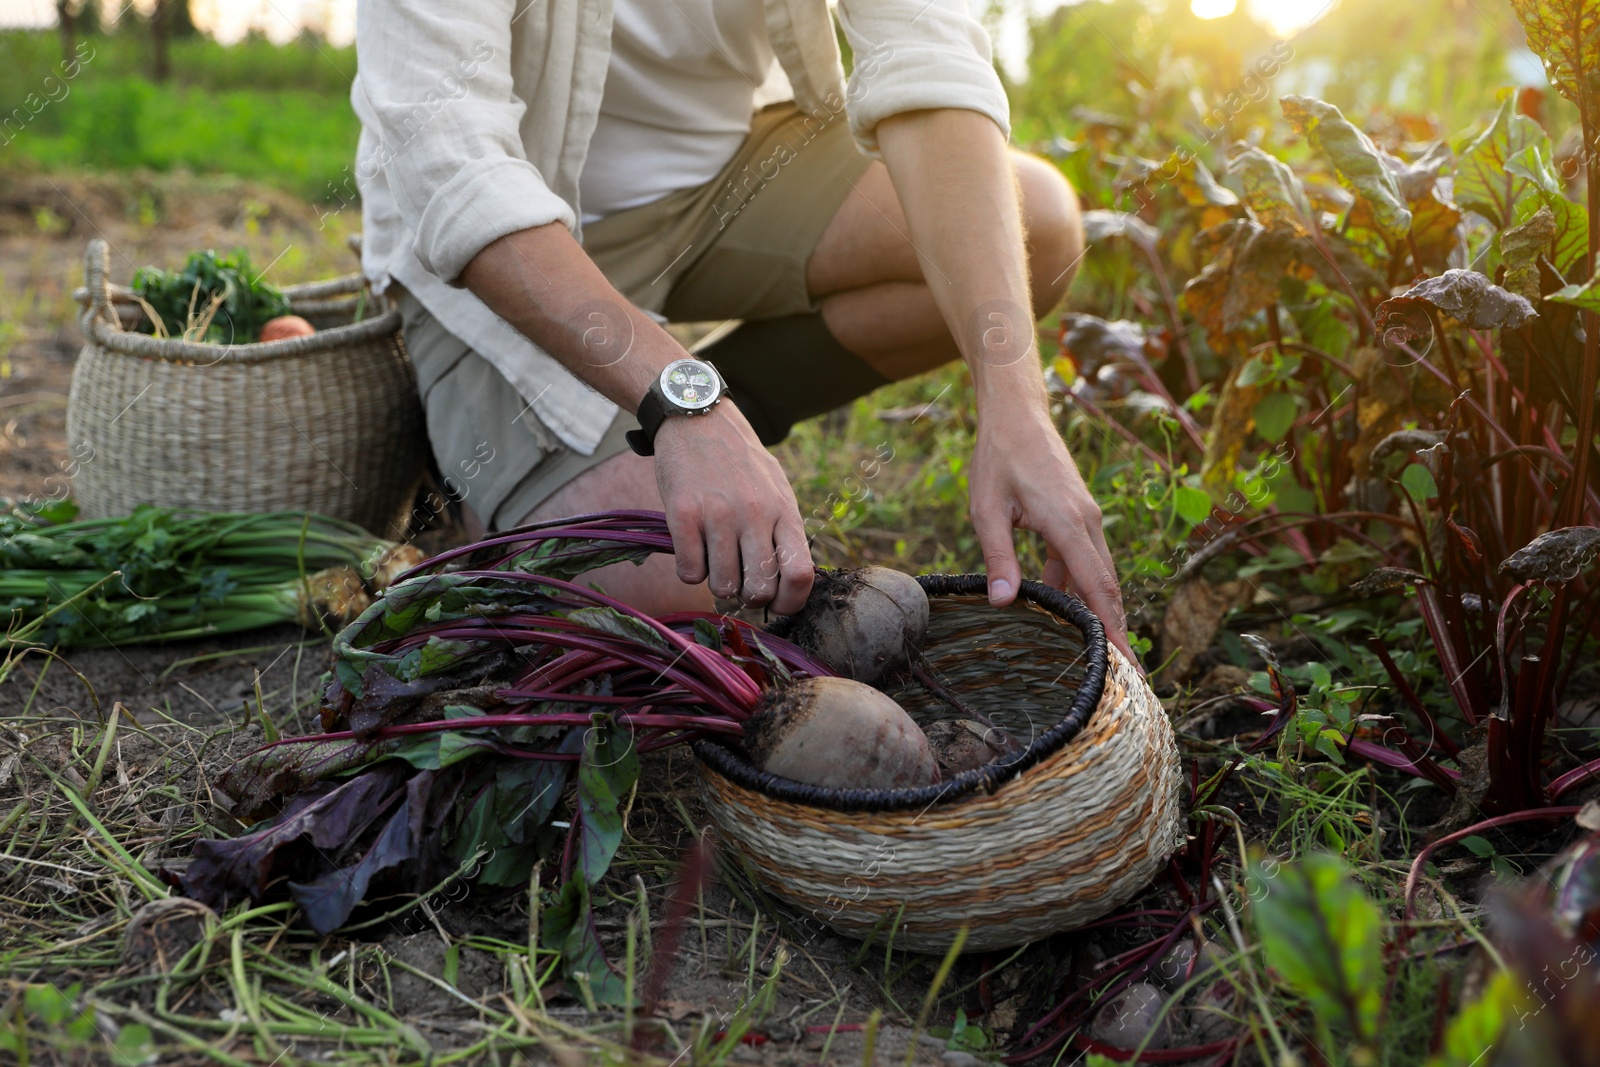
(731, 511)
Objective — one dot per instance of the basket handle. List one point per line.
(97, 279)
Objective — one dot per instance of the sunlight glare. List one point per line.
(1213, 9)
(1288, 17)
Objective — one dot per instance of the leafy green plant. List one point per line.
(1497, 472)
(216, 298)
(44, 1016)
(1323, 935)
(1437, 433)
(1408, 481)
(1477, 1028)
(963, 1035)
(1504, 867)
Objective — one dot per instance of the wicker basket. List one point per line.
(328, 423)
(1076, 825)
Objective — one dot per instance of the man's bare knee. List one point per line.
(625, 482)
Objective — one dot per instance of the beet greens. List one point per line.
(484, 692)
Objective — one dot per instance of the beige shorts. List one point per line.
(734, 248)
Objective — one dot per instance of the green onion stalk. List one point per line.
(162, 574)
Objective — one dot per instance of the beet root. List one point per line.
(865, 624)
(839, 734)
(286, 326)
(964, 745)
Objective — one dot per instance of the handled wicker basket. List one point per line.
(1075, 825)
(328, 423)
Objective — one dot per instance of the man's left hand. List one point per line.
(1023, 478)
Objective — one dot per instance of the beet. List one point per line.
(865, 624)
(964, 745)
(840, 734)
(286, 326)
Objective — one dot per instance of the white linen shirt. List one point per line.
(476, 117)
(677, 103)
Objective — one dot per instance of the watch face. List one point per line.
(690, 384)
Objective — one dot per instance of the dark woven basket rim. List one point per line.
(728, 761)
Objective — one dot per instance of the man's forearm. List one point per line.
(543, 283)
(954, 179)
(728, 506)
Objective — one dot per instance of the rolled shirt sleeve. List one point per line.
(435, 88)
(912, 55)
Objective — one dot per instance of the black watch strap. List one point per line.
(652, 413)
(656, 408)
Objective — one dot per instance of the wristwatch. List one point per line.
(686, 387)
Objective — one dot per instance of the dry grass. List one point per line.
(98, 813)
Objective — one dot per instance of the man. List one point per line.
(547, 180)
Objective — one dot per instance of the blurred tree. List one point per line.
(181, 24)
(74, 19)
(91, 18)
(160, 56)
(67, 22)
(168, 19)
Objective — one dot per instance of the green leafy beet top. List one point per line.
(219, 299)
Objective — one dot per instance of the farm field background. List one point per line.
(1235, 381)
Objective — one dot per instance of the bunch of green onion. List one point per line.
(166, 574)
